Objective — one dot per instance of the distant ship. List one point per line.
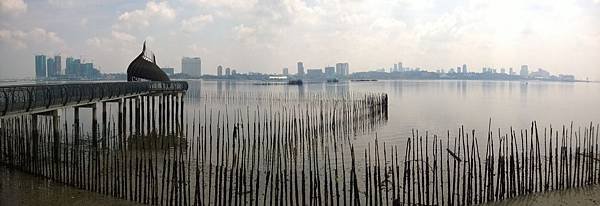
(144, 68)
(333, 80)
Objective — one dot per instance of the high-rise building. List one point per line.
(191, 66)
(233, 72)
(300, 69)
(458, 70)
(219, 70)
(40, 66)
(58, 64)
(510, 71)
(400, 68)
(227, 71)
(524, 71)
(395, 68)
(70, 67)
(464, 68)
(285, 71)
(51, 67)
(342, 69)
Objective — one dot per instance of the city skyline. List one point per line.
(558, 36)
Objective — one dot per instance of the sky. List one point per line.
(560, 36)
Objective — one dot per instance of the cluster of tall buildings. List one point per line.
(51, 68)
(47, 67)
(191, 66)
(340, 70)
(228, 71)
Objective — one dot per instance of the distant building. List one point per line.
(511, 72)
(464, 68)
(300, 69)
(524, 71)
(219, 70)
(395, 68)
(191, 66)
(329, 72)
(40, 66)
(564, 77)
(314, 73)
(285, 71)
(540, 74)
(233, 72)
(458, 70)
(169, 71)
(227, 71)
(71, 67)
(58, 64)
(342, 69)
(400, 68)
(75, 68)
(503, 71)
(51, 67)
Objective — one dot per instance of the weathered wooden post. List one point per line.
(56, 137)
(35, 138)
(104, 135)
(76, 124)
(94, 126)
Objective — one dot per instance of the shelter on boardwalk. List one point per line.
(144, 68)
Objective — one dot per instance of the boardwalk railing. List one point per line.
(39, 97)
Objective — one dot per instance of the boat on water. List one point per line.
(333, 80)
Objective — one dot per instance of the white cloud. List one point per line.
(194, 24)
(116, 40)
(153, 12)
(62, 3)
(12, 7)
(23, 39)
(245, 34)
(243, 5)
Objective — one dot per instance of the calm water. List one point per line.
(438, 106)
(434, 106)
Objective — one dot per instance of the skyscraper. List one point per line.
(400, 68)
(342, 69)
(524, 71)
(395, 68)
(40, 66)
(285, 71)
(50, 67)
(70, 67)
(510, 71)
(219, 70)
(58, 64)
(464, 68)
(227, 71)
(191, 66)
(300, 69)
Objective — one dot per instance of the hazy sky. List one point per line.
(561, 36)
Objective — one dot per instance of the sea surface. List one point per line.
(432, 106)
